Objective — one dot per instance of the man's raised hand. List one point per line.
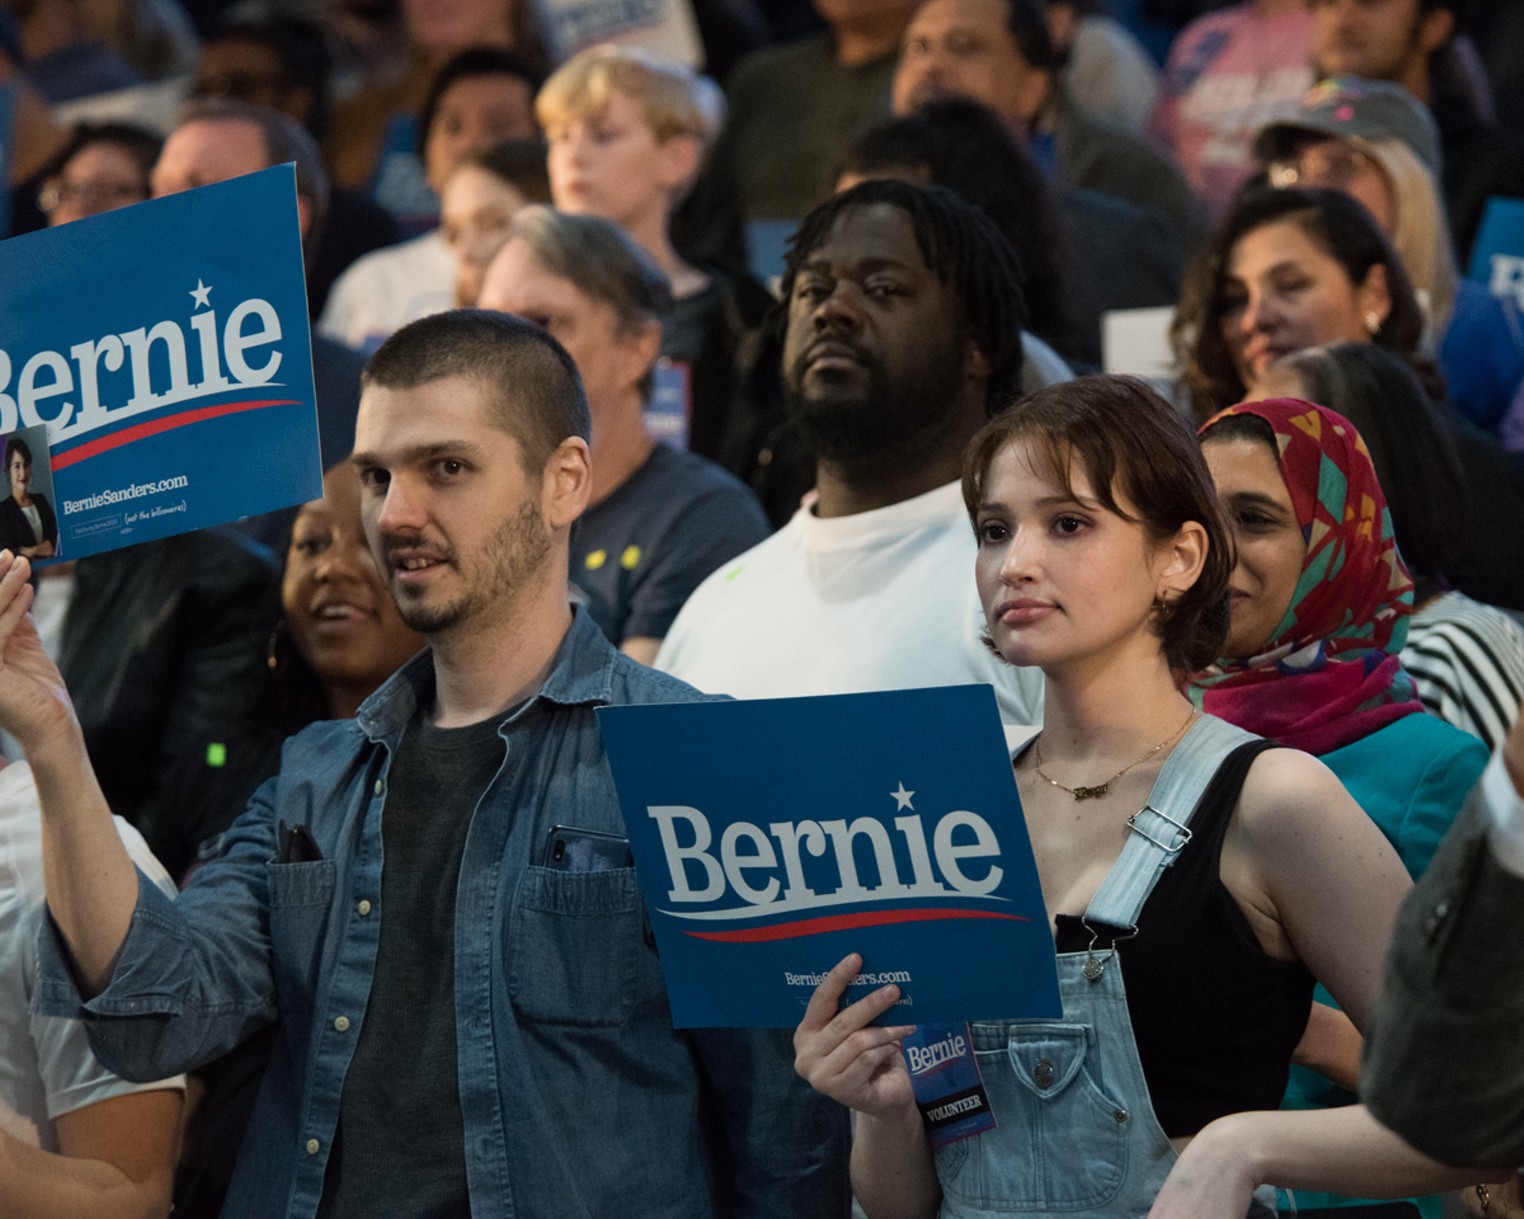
(33, 701)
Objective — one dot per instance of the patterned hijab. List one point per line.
(1330, 675)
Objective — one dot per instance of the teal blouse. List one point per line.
(1411, 777)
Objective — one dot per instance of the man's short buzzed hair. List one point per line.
(533, 389)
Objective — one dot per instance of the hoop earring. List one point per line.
(277, 646)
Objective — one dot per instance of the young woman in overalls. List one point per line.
(1190, 934)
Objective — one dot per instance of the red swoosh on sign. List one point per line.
(154, 426)
(842, 922)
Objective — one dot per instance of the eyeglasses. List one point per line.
(94, 196)
(1331, 164)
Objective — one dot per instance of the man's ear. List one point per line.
(304, 214)
(298, 103)
(1061, 22)
(567, 483)
(643, 347)
(977, 365)
(1435, 30)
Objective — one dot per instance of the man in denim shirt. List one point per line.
(466, 1027)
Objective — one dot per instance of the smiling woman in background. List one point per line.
(1287, 270)
(340, 637)
(1466, 658)
(1319, 604)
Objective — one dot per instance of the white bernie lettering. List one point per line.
(48, 379)
(750, 858)
(1508, 278)
(923, 1058)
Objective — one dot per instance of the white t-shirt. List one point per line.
(879, 600)
(46, 1065)
(388, 288)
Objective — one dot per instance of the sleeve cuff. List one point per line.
(1505, 810)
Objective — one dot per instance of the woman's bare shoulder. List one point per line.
(1289, 794)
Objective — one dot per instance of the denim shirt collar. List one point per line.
(582, 673)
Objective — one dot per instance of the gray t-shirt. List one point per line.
(638, 554)
(401, 1137)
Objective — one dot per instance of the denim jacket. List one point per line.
(579, 1098)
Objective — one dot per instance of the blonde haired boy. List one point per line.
(628, 133)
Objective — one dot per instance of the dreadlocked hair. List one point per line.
(961, 246)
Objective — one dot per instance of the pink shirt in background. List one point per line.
(1229, 72)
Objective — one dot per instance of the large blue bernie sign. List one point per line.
(772, 837)
(163, 351)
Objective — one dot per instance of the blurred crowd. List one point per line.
(1284, 197)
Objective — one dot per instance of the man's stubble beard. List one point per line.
(497, 577)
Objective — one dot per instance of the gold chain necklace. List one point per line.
(1100, 789)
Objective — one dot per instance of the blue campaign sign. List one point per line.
(774, 836)
(1497, 254)
(165, 350)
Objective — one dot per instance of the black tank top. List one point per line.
(1214, 1016)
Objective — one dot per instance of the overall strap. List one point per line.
(1158, 830)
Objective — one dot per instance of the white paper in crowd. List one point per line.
(1136, 341)
(663, 27)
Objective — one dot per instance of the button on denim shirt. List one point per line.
(579, 1099)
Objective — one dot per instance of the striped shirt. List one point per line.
(1467, 660)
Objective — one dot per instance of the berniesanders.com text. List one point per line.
(104, 499)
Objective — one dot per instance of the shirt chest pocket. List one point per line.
(574, 945)
(301, 900)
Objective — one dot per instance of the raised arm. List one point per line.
(91, 883)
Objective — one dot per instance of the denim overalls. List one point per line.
(1077, 1133)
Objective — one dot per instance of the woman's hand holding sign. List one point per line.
(842, 1055)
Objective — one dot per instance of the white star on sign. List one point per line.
(901, 799)
(202, 294)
